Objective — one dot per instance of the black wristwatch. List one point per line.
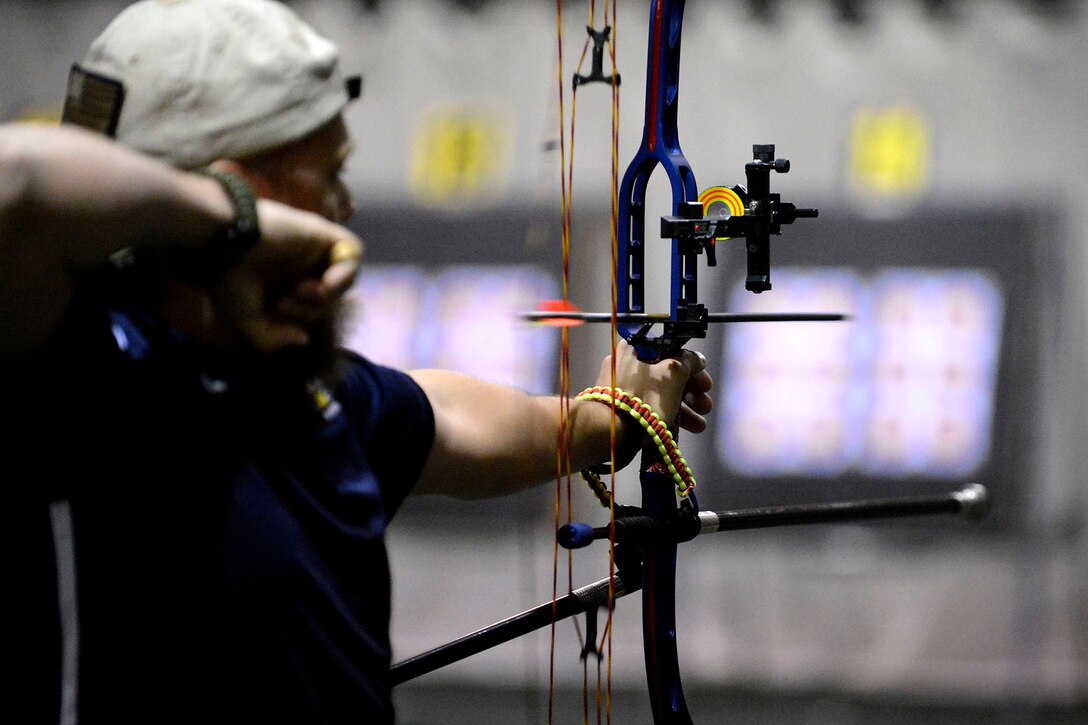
(233, 242)
(206, 265)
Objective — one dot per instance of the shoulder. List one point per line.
(383, 395)
(393, 421)
(361, 376)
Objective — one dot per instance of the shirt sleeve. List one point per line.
(399, 427)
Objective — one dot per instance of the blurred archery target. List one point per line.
(722, 202)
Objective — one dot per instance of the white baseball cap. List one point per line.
(198, 80)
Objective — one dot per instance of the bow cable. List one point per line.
(563, 447)
(601, 41)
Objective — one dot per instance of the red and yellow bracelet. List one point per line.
(654, 427)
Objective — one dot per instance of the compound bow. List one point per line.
(646, 537)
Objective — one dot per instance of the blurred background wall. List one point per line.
(934, 136)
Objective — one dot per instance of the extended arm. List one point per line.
(491, 440)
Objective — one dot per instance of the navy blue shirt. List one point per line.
(223, 526)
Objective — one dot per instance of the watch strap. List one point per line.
(231, 243)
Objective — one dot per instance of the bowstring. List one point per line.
(613, 341)
(563, 442)
(564, 487)
(570, 203)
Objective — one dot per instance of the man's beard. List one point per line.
(320, 358)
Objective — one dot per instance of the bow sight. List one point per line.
(699, 225)
(764, 214)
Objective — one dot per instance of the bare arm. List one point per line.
(69, 199)
(491, 440)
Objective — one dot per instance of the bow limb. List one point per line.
(659, 608)
(660, 146)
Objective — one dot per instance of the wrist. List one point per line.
(656, 430)
(236, 234)
(591, 430)
(216, 206)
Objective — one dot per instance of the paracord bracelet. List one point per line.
(654, 427)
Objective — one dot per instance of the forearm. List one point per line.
(492, 440)
(69, 200)
(77, 197)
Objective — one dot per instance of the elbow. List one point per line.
(474, 480)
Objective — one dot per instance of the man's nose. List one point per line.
(346, 207)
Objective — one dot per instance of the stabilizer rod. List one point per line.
(972, 502)
(580, 600)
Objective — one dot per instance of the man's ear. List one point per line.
(257, 180)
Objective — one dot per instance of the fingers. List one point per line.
(344, 250)
(294, 277)
(700, 403)
(697, 392)
(693, 360)
(340, 274)
(312, 297)
(295, 243)
(690, 421)
(306, 303)
(696, 402)
(679, 386)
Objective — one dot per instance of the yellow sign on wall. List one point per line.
(890, 152)
(44, 115)
(461, 154)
